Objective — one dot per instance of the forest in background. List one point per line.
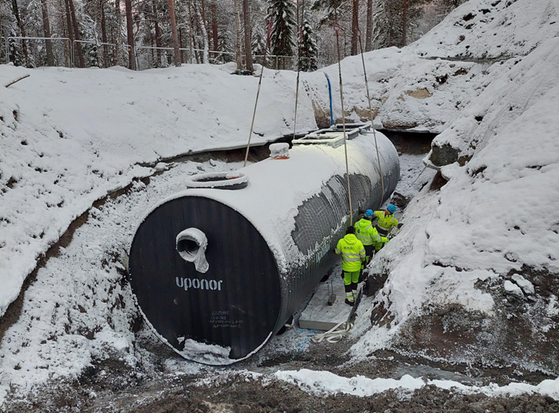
(142, 34)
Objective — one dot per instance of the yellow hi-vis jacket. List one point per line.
(366, 232)
(352, 252)
(386, 222)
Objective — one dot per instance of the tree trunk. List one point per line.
(206, 29)
(130, 35)
(75, 28)
(70, 31)
(104, 34)
(152, 51)
(404, 22)
(191, 36)
(181, 45)
(238, 51)
(248, 35)
(369, 34)
(46, 31)
(214, 27)
(201, 23)
(355, 27)
(118, 39)
(67, 32)
(15, 9)
(176, 50)
(157, 33)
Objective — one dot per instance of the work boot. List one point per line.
(348, 302)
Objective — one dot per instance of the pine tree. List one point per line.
(259, 31)
(259, 43)
(282, 16)
(307, 59)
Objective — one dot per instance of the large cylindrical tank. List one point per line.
(217, 272)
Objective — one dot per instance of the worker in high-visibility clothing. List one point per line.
(366, 232)
(386, 221)
(353, 253)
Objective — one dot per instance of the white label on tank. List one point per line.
(221, 319)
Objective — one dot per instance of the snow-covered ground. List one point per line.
(69, 137)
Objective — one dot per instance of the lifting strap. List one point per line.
(299, 40)
(371, 119)
(337, 29)
(258, 92)
(254, 113)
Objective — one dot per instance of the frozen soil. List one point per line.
(113, 386)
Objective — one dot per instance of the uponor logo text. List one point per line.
(196, 284)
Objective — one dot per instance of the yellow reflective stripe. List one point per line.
(364, 238)
(347, 259)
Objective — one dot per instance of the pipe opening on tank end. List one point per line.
(191, 245)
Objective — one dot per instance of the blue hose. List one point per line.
(330, 96)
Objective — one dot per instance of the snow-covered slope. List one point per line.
(479, 259)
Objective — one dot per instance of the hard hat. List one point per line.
(391, 208)
(369, 213)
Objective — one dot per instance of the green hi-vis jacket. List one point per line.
(386, 222)
(352, 252)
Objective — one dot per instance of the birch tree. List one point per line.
(202, 31)
(130, 35)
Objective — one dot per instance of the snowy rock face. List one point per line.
(497, 35)
(491, 29)
(513, 86)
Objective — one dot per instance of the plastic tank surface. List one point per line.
(217, 270)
